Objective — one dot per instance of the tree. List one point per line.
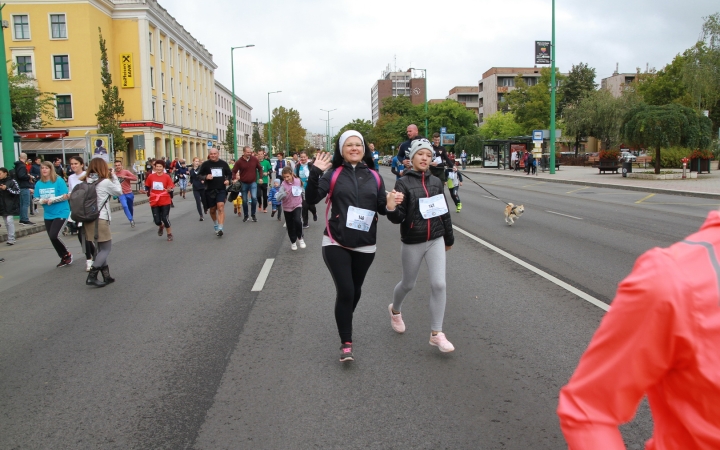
(112, 107)
(472, 144)
(364, 127)
(452, 115)
(656, 127)
(500, 126)
(229, 143)
(402, 106)
(288, 133)
(256, 139)
(666, 85)
(31, 108)
(580, 82)
(390, 130)
(531, 104)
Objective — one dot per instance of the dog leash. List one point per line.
(481, 187)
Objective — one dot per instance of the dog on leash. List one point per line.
(513, 213)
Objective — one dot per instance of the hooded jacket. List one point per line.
(414, 229)
(354, 187)
(22, 176)
(9, 198)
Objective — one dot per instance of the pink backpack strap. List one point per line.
(328, 200)
(377, 177)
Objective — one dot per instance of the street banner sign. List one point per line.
(447, 139)
(443, 130)
(543, 52)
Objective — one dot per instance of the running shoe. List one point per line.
(346, 353)
(459, 206)
(26, 222)
(314, 217)
(396, 321)
(441, 342)
(302, 243)
(306, 226)
(216, 227)
(272, 213)
(10, 243)
(293, 246)
(170, 237)
(219, 233)
(65, 260)
(88, 265)
(201, 219)
(160, 229)
(234, 209)
(253, 218)
(279, 216)
(246, 218)
(132, 224)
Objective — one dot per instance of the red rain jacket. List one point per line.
(661, 338)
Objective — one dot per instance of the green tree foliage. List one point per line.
(651, 126)
(454, 116)
(112, 107)
(403, 107)
(500, 126)
(257, 140)
(364, 127)
(666, 85)
(531, 104)
(580, 82)
(472, 144)
(31, 108)
(229, 143)
(288, 135)
(390, 130)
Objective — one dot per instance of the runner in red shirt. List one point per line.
(661, 338)
(158, 186)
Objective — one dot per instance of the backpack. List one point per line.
(328, 200)
(83, 203)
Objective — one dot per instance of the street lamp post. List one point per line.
(287, 134)
(232, 71)
(327, 128)
(426, 102)
(552, 93)
(269, 126)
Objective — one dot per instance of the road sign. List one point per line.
(537, 135)
(443, 130)
(210, 144)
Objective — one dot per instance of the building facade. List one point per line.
(469, 96)
(393, 84)
(165, 76)
(224, 116)
(617, 82)
(496, 83)
(316, 140)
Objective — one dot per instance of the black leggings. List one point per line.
(262, 195)
(454, 195)
(199, 195)
(348, 269)
(305, 208)
(161, 214)
(293, 222)
(89, 246)
(53, 228)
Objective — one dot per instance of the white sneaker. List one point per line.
(293, 246)
(396, 321)
(441, 342)
(302, 243)
(88, 265)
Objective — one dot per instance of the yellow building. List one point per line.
(165, 76)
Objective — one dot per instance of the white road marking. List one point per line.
(564, 215)
(492, 198)
(542, 273)
(262, 276)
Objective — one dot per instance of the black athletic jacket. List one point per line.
(354, 187)
(414, 229)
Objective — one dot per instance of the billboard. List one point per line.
(543, 52)
(127, 73)
(447, 139)
(100, 146)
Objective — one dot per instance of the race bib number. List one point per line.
(296, 191)
(433, 207)
(158, 186)
(216, 172)
(359, 219)
(47, 193)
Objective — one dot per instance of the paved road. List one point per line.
(179, 353)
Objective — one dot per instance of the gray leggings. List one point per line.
(434, 254)
(103, 253)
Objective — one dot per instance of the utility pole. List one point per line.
(553, 88)
(5, 111)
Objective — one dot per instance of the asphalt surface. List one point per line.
(179, 353)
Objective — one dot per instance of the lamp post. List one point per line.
(553, 88)
(426, 102)
(8, 152)
(327, 128)
(287, 134)
(232, 71)
(269, 126)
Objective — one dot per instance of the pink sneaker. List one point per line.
(396, 321)
(441, 342)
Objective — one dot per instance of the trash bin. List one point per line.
(626, 167)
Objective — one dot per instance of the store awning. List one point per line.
(54, 146)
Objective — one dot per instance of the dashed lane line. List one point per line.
(564, 215)
(576, 190)
(587, 297)
(262, 276)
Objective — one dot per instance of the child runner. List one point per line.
(426, 233)
(158, 186)
(181, 172)
(52, 193)
(349, 241)
(272, 200)
(291, 198)
(453, 183)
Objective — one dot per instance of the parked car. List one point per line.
(627, 156)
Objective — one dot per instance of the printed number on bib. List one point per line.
(216, 172)
(433, 207)
(296, 191)
(158, 186)
(359, 219)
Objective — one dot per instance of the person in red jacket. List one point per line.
(158, 186)
(660, 338)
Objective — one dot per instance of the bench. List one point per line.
(605, 165)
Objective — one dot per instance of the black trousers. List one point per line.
(161, 214)
(89, 246)
(53, 228)
(454, 195)
(262, 191)
(305, 208)
(293, 222)
(199, 195)
(348, 269)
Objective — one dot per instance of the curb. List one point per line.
(615, 186)
(23, 230)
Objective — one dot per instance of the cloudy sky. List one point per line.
(327, 54)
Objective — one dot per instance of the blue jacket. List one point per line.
(271, 196)
(396, 167)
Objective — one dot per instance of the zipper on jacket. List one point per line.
(428, 195)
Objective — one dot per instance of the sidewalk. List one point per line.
(707, 185)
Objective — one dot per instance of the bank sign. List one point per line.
(127, 73)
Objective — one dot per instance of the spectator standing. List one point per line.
(463, 159)
(26, 188)
(9, 202)
(34, 176)
(375, 155)
(59, 170)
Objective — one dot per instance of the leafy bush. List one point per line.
(672, 157)
(609, 154)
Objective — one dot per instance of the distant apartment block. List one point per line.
(392, 84)
(617, 82)
(497, 82)
(315, 140)
(468, 96)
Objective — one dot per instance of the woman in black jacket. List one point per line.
(426, 233)
(356, 197)
(198, 185)
(9, 202)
